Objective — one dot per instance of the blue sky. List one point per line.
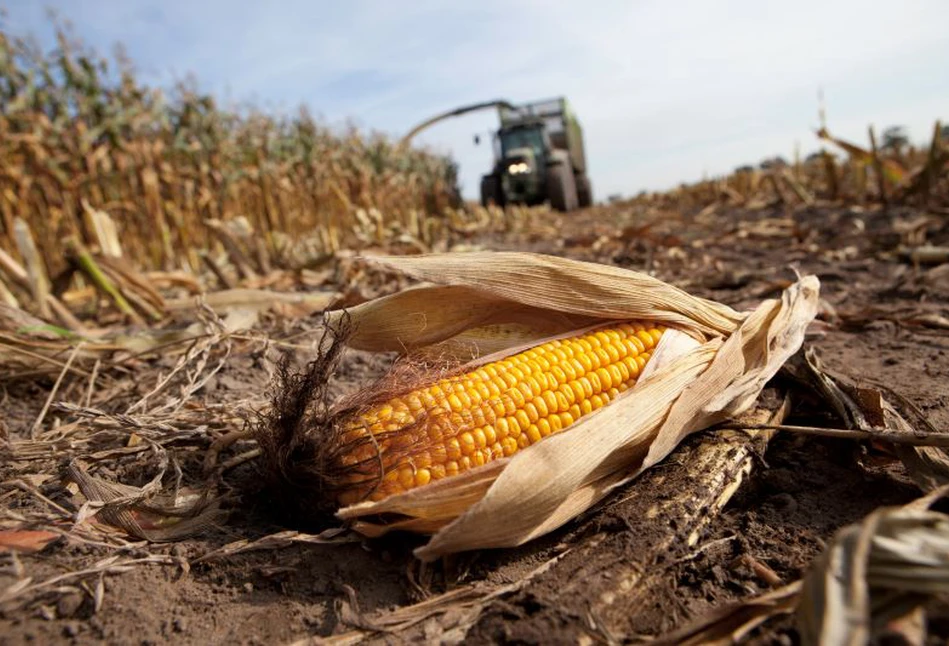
(667, 91)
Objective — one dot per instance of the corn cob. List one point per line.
(465, 421)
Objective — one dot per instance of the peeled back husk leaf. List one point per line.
(477, 289)
(709, 366)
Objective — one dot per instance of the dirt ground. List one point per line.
(874, 325)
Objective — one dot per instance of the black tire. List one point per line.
(561, 189)
(491, 191)
(584, 192)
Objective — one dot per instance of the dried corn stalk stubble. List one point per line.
(623, 365)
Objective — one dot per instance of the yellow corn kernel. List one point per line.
(422, 460)
(587, 383)
(635, 344)
(497, 407)
(523, 421)
(406, 477)
(603, 357)
(606, 380)
(509, 445)
(480, 440)
(532, 412)
(556, 422)
(481, 416)
(632, 366)
(467, 443)
(586, 360)
(595, 384)
(533, 433)
(544, 427)
(481, 387)
(540, 406)
(646, 338)
(422, 477)
(517, 400)
(513, 426)
(615, 351)
(453, 447)
(551, 401)
(493, 389)
(558, 374)
(501, 427)
(616, 375)
(466, 400)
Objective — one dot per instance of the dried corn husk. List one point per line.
(711, 365)
(875, 571)
(873, 578)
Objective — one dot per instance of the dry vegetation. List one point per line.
(158, 256)
(894, 174)
(97, 169)
(78, 131)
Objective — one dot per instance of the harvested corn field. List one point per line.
(269, 398)
(134, 483)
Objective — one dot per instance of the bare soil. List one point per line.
(799, 493)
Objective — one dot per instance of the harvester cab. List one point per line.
(521, 153)
(538, 155)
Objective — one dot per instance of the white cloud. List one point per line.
(666, 90)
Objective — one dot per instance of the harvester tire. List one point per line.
(584, 192)
(491, 191)
(561, 189)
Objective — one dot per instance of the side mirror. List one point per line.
(477, 140)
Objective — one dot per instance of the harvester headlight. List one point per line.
(518, 168)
